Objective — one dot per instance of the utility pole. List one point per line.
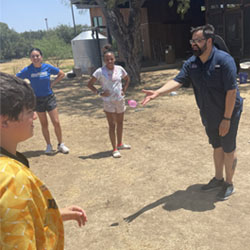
(98, 46)
(46, 23)
(73, 17)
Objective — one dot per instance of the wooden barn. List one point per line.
(162, 28)
(231, 19)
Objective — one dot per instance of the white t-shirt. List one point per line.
(111, 80)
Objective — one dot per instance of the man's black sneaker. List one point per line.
(226, 191)
(213, 184)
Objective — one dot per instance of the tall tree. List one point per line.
(11, 44)
(67, 33)
(182, 6)
(126, 33)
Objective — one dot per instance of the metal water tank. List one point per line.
(87, 52)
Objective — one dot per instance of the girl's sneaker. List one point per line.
(49, 150)
(62, 148)
(116, 154)
(124, 146)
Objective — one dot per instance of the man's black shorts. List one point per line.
(227, 142)
(46, 103)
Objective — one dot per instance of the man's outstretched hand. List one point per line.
(150, 95)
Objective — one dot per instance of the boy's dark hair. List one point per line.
(35, 49)
(15, 95)
(208, 31)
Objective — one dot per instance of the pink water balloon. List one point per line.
(132, 103)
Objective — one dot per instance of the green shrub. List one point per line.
(54, 49)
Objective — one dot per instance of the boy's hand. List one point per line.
(74, 213)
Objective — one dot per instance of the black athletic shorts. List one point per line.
(46, 103)
(227, 142)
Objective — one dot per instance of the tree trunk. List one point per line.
(127, 35)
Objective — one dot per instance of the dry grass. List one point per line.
(14, 66)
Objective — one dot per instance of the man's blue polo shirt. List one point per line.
(211, 81)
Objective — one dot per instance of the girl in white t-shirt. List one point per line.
(113, 91)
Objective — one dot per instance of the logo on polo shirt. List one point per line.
(194, 66)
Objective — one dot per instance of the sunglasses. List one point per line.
(198, 40)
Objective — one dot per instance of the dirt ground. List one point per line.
(150, 198)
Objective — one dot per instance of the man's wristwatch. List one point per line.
(226, 118)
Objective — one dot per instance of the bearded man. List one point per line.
(213, 75)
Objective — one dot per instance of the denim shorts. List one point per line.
(227, 142)
(46, 103)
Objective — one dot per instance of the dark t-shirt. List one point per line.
(211, 81)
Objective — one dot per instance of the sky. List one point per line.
(27, 15)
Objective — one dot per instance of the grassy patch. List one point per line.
(14, 66)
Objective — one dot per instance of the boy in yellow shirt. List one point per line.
(29, 216)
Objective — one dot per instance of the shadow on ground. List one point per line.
(37, 153)
(99, 155)
(74, 98)
(192, 199)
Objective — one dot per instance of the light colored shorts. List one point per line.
(114, 106)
